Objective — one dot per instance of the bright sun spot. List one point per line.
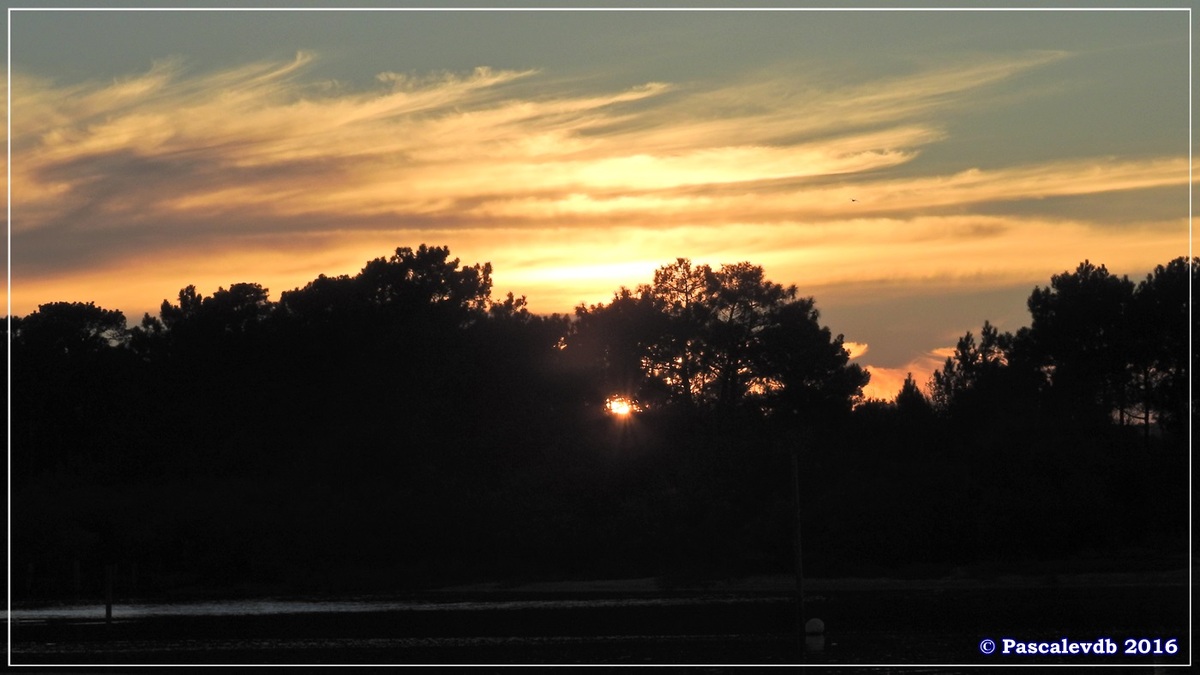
(619, 405)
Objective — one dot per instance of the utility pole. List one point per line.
(110, 572)
(799, 567)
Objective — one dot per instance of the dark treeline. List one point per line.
(403, 429)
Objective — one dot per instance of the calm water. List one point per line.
(866, 628)
(258, 607)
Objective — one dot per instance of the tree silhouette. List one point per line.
(1159, 357)
(911, 402)
(71, 328)
(1099, 351)
(613, 341)
(679, 359)
(718, 339)
(71, 379)
(400, 429)
(426, 280)
(745, 304)
(804, 370)
(1081, 329)
(972, 367)
(322, 300)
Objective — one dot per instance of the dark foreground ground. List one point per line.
(867, 624)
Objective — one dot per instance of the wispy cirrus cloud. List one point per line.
(262, 173)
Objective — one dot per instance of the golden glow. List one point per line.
(165, 179)
(855, 349)
(886, 382)
(558, 270)
(620, 406)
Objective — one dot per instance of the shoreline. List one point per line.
(764, 586)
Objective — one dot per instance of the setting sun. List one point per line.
(620, 406)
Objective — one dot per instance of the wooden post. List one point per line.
(110, 571)
(799, 569)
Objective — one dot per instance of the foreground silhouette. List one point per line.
(401, 429)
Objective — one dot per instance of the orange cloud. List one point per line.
(855, 349)
(886, 382)
(255, 173)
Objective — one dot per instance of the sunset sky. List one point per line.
(915, 172)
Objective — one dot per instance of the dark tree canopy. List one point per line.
(236, 310)
(1082, 332)
(426, 279)
(1159, 367)
(1099, 350)
(973, 365)
(72, 328)
(399, 429)
(724, 339)
(910, 400)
